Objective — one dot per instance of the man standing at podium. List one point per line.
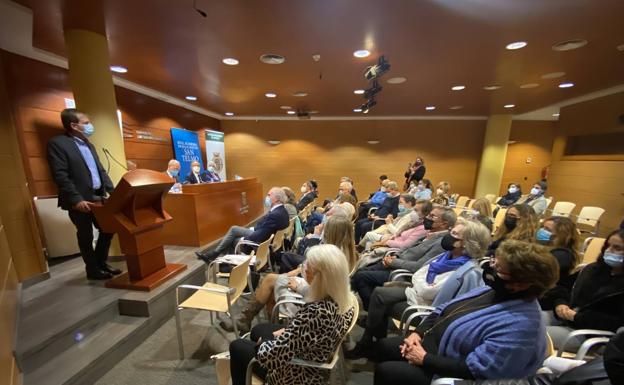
(276, 219)
(82, 182)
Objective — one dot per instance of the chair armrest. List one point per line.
(275, 312)
(399, 275)
(397, 284)
(588, 344)
(583, 332)
(398, 271)
(229, 291)
(445, 381)
(245, 242)
(319, 365)
(392, 250)
(411, 318)
(249, 373)
(291, 295)
(372, 210)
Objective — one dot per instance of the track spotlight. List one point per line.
(373, 90)
(376, 71)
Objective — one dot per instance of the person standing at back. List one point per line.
(415, 172)
(82, 182)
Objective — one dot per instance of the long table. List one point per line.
(204, 212)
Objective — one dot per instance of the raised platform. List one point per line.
(72, 331)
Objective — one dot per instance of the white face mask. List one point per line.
(535, 191)
(383, 189)
(196, 169)
(513, 189)
(440, 191)
(304, 189)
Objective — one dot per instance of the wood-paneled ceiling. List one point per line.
(435, 44)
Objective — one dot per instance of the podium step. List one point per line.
(90, 358)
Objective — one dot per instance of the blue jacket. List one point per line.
(469, 276)
(504, 340)
(390, 205)
(378, 198)
(273, 221)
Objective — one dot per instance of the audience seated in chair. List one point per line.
(536, 198)
(196, 175)
(351, 188)
(338, 232)
(276, 219)
(481, 211)
(423, 190)
(308, 194)
(520, 223)
(452, 273)
(442, 195)
(375, 200)
(291, 200)
(562, 237)
(313, 334)
(596, 300)
(489, 333)
(514, 192)
(389, 207)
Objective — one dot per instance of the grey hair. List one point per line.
(173, 162)
(280, 194)
(449, 216)
(347, 185)
(339, 211)
(476, 238)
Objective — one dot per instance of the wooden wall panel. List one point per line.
(590, 182)
(327, 150)
(534, 140)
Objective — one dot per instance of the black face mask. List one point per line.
(428, 223)
(491, 278)
(510, 223)
(448, 242)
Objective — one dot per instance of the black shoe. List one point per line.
(207, 256)
(109, 269)
(359, 351)
(361, 321)
(99, 275)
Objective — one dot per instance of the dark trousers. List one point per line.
(365, 225)
(394, 369)
(290, 261)
(93, 259)
(242, 351)
(385, 302)
(365, 280)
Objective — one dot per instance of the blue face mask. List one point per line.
(325, 219)
(267, 201)
(88, 129)
(402, 208)
(613, 260)
(543, 235)
(174, 172)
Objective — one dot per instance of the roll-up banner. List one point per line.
(215, 151)
(186, 149)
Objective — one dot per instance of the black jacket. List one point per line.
(305, 200)
(597, 296)
(565, 259)
(390, 205)
(509, 199)
(71, 174)
(191, 179)
(416, 177)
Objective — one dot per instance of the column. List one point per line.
(92, 84)
(493, 157)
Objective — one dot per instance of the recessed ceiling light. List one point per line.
(529, 85)
(285, 107)
(229, 114)
(271, 58)
(430, 108)
(620, 47)
(274, 142)
(119, 69)
(290, 112)
(270, 95)
(456, 107)
(509, 105)
(396, 80)
(458, 88)
(516, 45)
(373, 141)
(556, 115)
(230, 61)
(191, 98)
(553, 75)
(361, 53)
(566, 85)
(300, 94)
(313, 112)
(357, 110)
(358, 92)
(492, 87)
(569, 45)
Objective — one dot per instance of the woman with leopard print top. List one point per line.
(313, 334)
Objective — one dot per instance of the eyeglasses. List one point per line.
(503, 274)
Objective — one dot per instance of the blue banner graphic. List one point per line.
(186, 149)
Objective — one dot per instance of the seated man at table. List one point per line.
(197, 175)
(276, 219)
(173, 172)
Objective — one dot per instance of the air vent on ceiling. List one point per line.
(270, 58)
(569, 45)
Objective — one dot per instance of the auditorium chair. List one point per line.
(499, 219)
(212, 297)
(592, 246)
(492, 198)
(461, 201)
(588, 219)
(562, 209)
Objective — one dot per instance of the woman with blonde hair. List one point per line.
(481, 211)
(313, 334)
(520, 224)
(441, 194)
(289, 205)
(338, 231)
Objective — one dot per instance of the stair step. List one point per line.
(92, 356)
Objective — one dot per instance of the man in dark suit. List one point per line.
(81, 181)
(308, 191)
(196, 175)
(390, 206)
(276, 219)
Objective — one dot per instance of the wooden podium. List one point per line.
(135, 212)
